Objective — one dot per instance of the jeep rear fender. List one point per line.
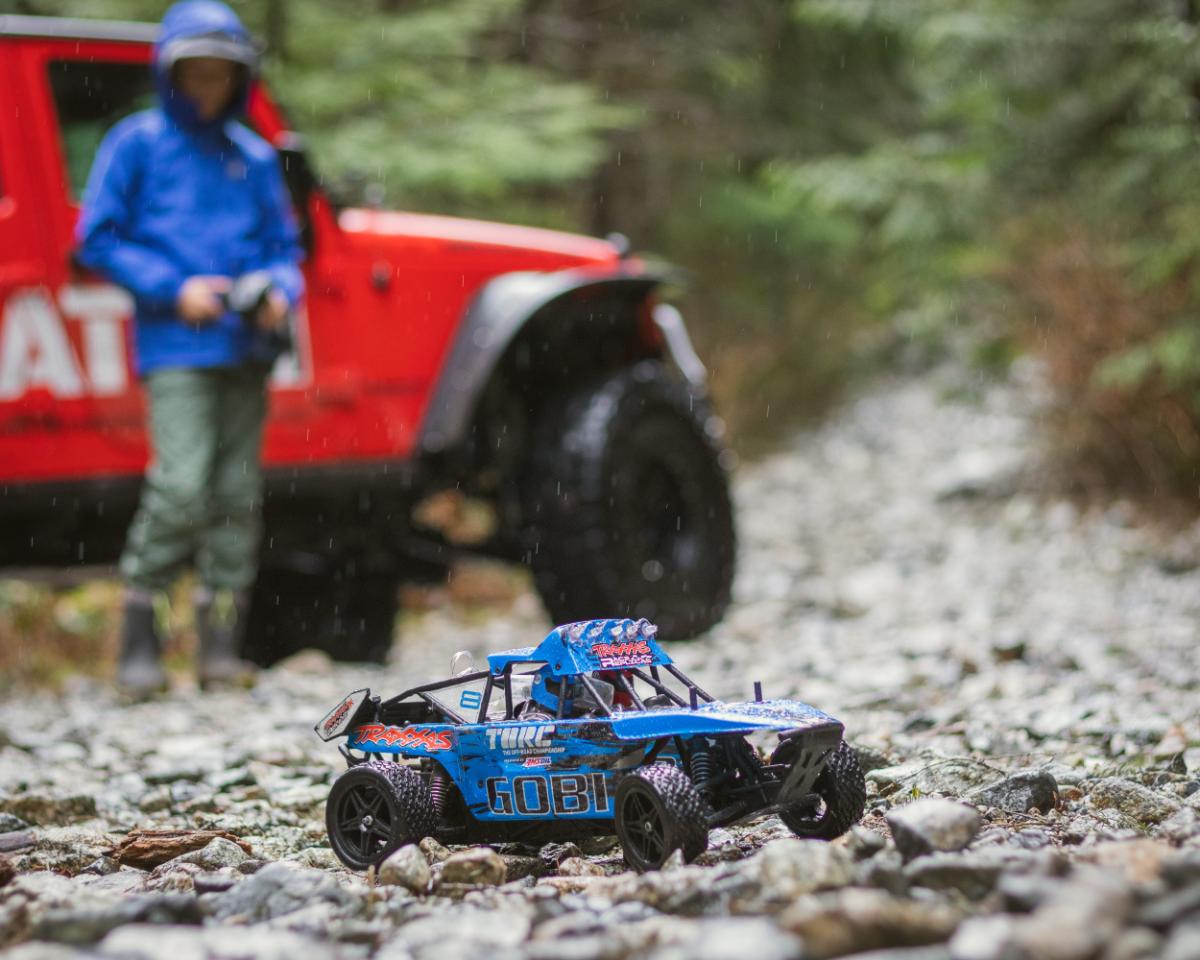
(504, 307)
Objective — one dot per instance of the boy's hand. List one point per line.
(200, 298)
(272, 315)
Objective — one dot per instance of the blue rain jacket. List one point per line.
(170, 197)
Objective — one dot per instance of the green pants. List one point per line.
(202, 498)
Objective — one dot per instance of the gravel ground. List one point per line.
(1019, 678)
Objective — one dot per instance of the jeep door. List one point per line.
(92, 427)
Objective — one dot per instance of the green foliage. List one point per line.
(835, 174)
(413, 102)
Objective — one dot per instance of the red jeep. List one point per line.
(531, 369)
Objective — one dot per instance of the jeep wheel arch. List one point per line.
(509, 310)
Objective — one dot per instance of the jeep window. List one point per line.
(90, 98)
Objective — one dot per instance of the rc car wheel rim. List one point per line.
(644, 827)
(365, 822)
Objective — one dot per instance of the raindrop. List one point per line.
(652, 571)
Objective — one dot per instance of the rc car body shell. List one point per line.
(517, 768)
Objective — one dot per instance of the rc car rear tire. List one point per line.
(374, 809)
(842, 789)
(658, 810)
(627, 508)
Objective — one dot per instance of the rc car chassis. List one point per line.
(593, 731)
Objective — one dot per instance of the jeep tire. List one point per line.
(658, 810)
(626, 501)
(375, 808)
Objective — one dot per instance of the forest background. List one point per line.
(846, 183)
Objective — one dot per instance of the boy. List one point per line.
(182, 200)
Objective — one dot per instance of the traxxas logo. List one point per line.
(415, 738)
(338, 715)
(630, 654)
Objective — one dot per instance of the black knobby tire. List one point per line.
(627, 508)
(658, 810)
(842, 789)
(375, 808)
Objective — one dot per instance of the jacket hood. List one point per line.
(202, 28)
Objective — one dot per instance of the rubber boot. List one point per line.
(220, 620)
(139, 668)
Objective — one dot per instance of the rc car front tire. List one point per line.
(626, 500)
(374, 809)
(658, 810)
(842, 789)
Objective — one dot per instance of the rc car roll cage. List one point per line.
(393, 708)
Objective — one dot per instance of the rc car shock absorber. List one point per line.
(437, 788)
(700, 765)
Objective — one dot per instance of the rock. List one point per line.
(578, 867)
(1023, 893)
(465, 931)
(856, 919)
(864, 843)
(7, 870)
(146, 849)
(708, 939)
(17, 840)
(41, 951)
(1139, 861)
(792, 867)
(174, 877)
(1164, 911)
(407, 868)
(11, 824)
(1135, 943)
(933, 824)
(985, 938)
(949, 775)
(217, 854)
(517, 867)
(320, 857)
(49, 810)
(974, 875)
(1019, 793)
(932, 952)
(278, 889)
(434, 851)
(1083, 914)
(871, 759)
(141, 942)
(218, 881)
(89, 925)
(1133, 800)
(102, 867)
(477, 865)
(1183, 942)
(555, 853)
(1181, 825)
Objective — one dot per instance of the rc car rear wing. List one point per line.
(345, 715)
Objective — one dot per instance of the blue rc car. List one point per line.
(592, 731)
